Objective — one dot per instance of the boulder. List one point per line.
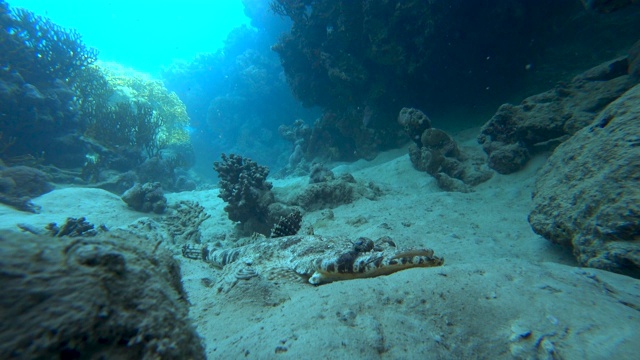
(113, 296)
(542, 121)
(587, 195)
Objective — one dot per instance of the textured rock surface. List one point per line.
(544, 120)
(332, 193)
(104, 297)
(435, 152)
(19, 184)
(588, 193)
(146, 198)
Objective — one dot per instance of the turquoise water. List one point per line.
(144, 34)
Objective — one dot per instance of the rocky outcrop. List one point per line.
(19, 184)
(587, 195)
(334, 192)
(146, 198)
(436, 153)
(542, 121)
(114, 296)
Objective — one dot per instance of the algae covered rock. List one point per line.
(587, 195)
(110, 296)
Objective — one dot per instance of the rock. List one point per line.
(334, 192)
(436, 153)
(588, 196)
(146, 198)
(414, 122)
(103, 297)
(542, 121)
(19, 184)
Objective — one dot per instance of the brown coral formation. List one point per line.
(245, 189)
(113, 297)
(333, 192)
(436, 153)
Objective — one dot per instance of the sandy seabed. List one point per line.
(503, 292)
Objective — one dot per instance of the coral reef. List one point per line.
(287, 225)
(245, 189)
(414, 123)
(184, 224)
(361, 61)
(146, 198)
(39, 71)
(19, 184)
(435, 152)
(111, 296)
(130, 87)
(542, 121)
(587, 194)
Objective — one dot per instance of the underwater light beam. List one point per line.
(144, 34)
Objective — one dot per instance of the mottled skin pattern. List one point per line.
(316, 259)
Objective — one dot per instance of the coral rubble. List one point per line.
(184, 224)
(73, 227)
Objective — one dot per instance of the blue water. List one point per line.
(144, 34)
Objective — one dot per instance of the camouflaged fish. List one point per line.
(317, 259)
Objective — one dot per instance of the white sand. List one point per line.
(503, 292)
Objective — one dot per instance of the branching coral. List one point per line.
(40, 50)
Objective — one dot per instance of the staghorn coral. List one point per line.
(243, 186)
